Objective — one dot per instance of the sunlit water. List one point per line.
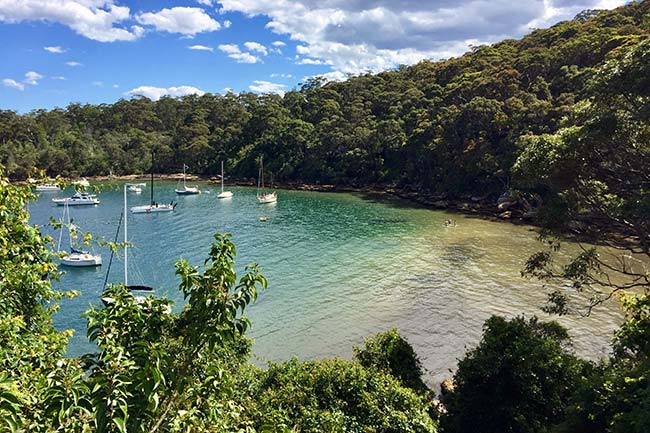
(341, 267)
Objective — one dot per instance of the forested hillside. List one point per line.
(456, 126)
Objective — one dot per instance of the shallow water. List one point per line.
(341, 267)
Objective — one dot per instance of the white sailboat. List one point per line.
(187, 190)
(223, 194)
(136, 188)
(262, 195)
(76, 257)
(152, 207)
(107, 300)
(126, 246)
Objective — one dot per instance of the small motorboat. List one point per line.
(47, 187)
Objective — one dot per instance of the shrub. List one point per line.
(518, 379)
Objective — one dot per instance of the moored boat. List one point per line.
(47, 187)
(262, 195)
(187, 190)
(152, 207)
(76, 257)
(77, 199)
(223, 194)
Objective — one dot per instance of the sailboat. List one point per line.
(107, 300)
(262, 195)
(187, 190)
(136, 188)
(223, 194)
(76, 258)
(126, 245)
(153, 206)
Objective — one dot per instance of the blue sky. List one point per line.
(55, 52)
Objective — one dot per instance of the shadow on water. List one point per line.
(461, 254)
(388, 200)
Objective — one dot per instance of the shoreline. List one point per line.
(479, 207)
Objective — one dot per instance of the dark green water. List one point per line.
(340, 267)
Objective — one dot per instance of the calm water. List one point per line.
(340, 267)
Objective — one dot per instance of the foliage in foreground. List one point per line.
(518, 379)
(336, 395)
(391, 353)
(160, 371)
(522, 377)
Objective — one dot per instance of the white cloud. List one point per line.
(236, 54)
(98, 83)
(73, 64)
(230, 48)
(55, 50)
(184, 20)
(8, 82)
(360, 35)
(200, 48)
(281, 76)
(58, 77)
(204, 2)
(257, 47)
(278, 44)
(308, 61)
(227, 24)
(32, 78)
(331, 76)
(155, 93)
(115, 86)
(261, 86)
(94, 19)
(228, 90)
(245, 58)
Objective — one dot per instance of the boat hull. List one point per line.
(63, 202)
(152, 208)
(188, 191)
(47, 188)
(225, 194)
(78, 199)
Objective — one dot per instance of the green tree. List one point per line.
(518, 379)
(335, 395)
(390, 352)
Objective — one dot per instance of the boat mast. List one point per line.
(65, 208)
(152, 156)
(222, 176)
(184, 185)
(126, 246)
(259, 176)
(262, 176)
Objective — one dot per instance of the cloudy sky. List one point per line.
(91, 51)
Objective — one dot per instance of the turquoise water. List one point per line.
(341, 267)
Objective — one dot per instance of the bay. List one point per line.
(341, 267)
